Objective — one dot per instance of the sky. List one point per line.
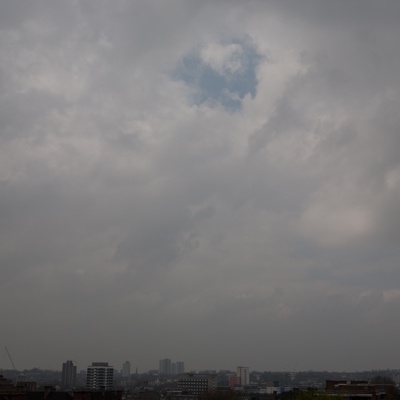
(214, 182)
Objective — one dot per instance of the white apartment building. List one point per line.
(99, 375)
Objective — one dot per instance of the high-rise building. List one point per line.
(180, 367)
(99, 375)
(173, 368)
(126, 369)
(165, 366)
(68, 378)
(242, 376)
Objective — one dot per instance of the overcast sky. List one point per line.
(216, 182)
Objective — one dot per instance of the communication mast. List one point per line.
(13, 365)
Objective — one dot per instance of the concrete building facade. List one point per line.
(99, 375)
(196, 384)
(126, 369)
(68, 375)
(165, 366)
(180, 367)
(242, 376)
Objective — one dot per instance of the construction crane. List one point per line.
(12, 363)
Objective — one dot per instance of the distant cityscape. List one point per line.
(170, 381)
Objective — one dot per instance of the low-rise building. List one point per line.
(359, 390)
(196, 383)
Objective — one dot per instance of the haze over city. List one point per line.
(210, 181)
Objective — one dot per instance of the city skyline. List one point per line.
(235, 371)
(210, 181)
(100, 383)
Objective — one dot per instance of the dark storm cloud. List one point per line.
(126, 206)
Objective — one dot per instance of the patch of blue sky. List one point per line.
(221, 73)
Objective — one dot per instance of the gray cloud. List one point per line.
(132, 214)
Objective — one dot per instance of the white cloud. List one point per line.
(223, 58)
